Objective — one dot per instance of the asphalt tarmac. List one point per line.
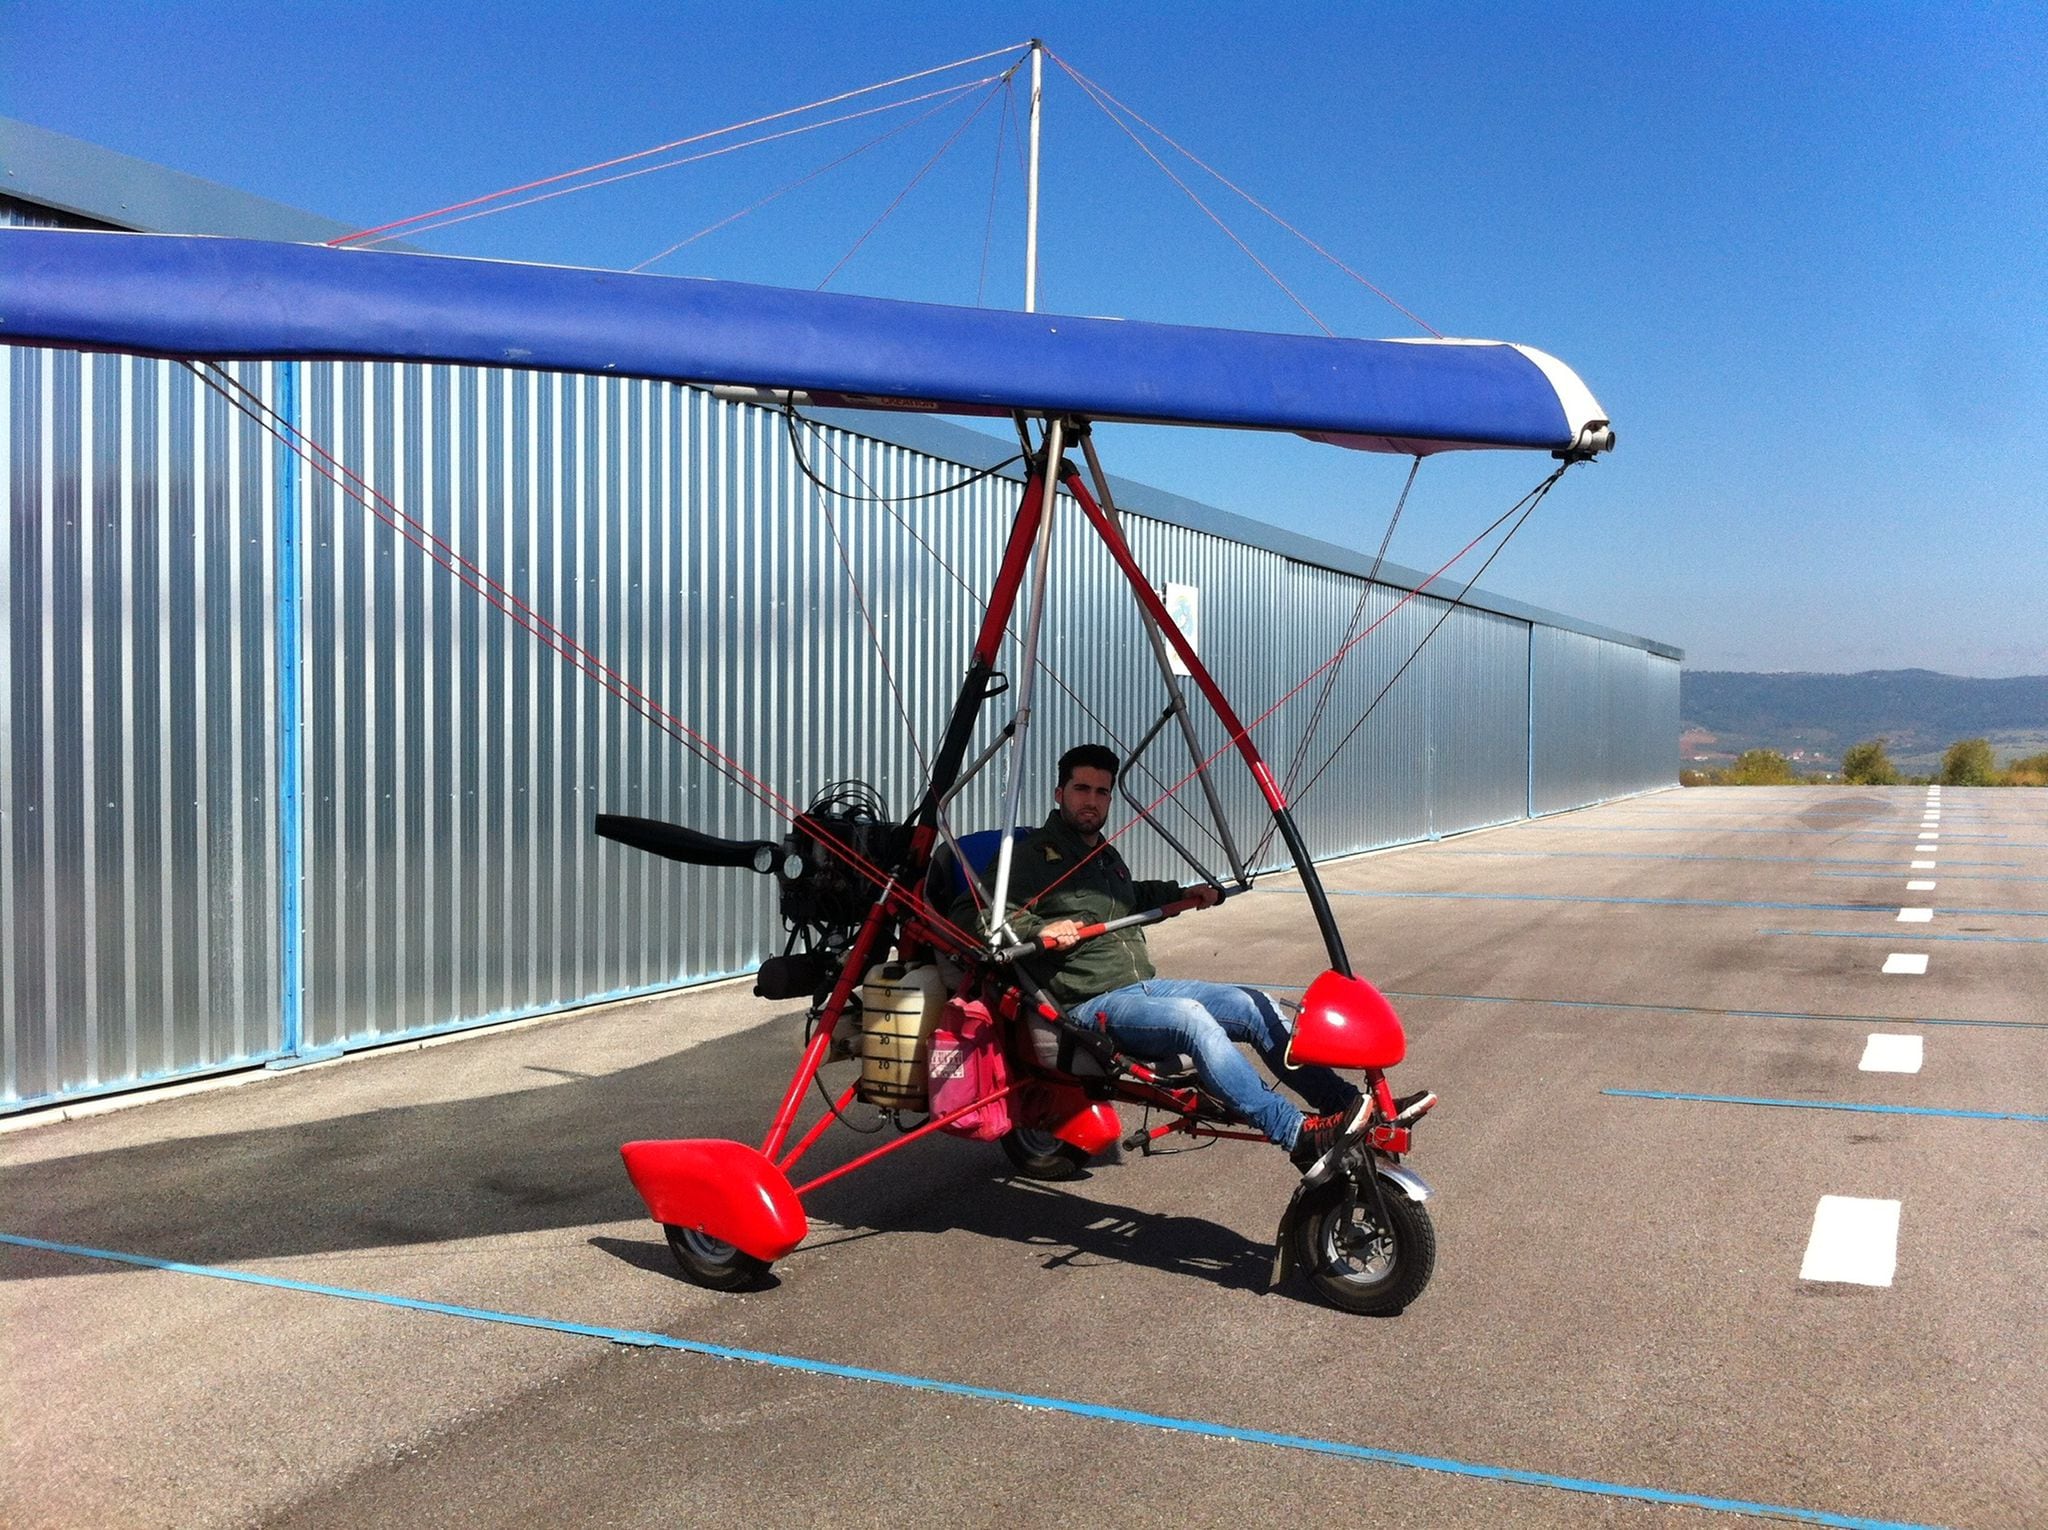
(1646, 1022)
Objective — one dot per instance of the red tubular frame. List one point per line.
(1126, 561)
(937, 1123)
(899, 911)
(828, 1022)
(789, 1159)
(1148, 597)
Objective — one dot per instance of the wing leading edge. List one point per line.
(219, 299)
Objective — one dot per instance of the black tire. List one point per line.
(707, 1262)
(1040, 1155)
(1355, 1263)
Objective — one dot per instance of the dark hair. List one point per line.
(1090, 757)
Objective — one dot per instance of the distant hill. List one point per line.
(1813, 718)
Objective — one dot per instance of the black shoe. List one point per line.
(1322, 1135)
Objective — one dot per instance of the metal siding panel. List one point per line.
(1479, 721)
(1605, 720)
(136, 894)
(452, 762)
(13, 417)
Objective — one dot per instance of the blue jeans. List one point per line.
(1162, 1016)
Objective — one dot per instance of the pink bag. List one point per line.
(967, 1064)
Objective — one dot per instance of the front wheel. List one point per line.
(1040, 1155)
(1357, 1259)
(708, 1262)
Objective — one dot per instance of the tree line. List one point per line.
(1968, 762)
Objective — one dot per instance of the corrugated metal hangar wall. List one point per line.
(272, 784)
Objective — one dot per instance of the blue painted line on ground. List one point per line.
(1872, 1110)
(1811, 820)
(1944, 873)
(1910, 935)
(1806, 908)
(1170, 1423)
(1901, 835)
(1703, 1010)
(1653, 855)
(1902, 807)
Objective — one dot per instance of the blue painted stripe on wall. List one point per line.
(291, 871)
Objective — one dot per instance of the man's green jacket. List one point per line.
(1102, 889)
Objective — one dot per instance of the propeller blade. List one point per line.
(677, 843)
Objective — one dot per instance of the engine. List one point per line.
(822, 869)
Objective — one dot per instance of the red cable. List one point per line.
(943, 149)
(1271, 275)
(951, 93)
(803, 180)
(1364, 281)
(874, 633)
(1044, 666)
(1231, 742)
(527, 619)
(548, 180)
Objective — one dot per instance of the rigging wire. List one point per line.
(256, 409)
(1534, 499)
(938, 155)
(1357, 615)
(383, 230)
(988, 230)
(1246, 729)
(902, 127)
(1044, 666)
(867, 617)
(1271, 275)
(587, 663)
(1017, 122)
(952, 92)
(1315, 721)
(1381, 293)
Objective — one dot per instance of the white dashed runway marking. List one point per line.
(1910, 962)
(1886, 1052)
(1915, 915)
(1919, 887)
(1854, 1241)
(1923, 865)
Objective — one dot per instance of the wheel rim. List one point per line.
(703, 1247)
(1356, 1249)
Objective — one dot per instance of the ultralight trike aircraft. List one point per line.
(939, 1012)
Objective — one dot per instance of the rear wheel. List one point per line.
(1038, 1154)
(707, 1261)
(1358, 1259)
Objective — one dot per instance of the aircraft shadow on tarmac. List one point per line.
(973, 1197)
(531, 1160)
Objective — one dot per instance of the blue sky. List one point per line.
(1799, 251)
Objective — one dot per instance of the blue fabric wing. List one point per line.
(163, 295)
